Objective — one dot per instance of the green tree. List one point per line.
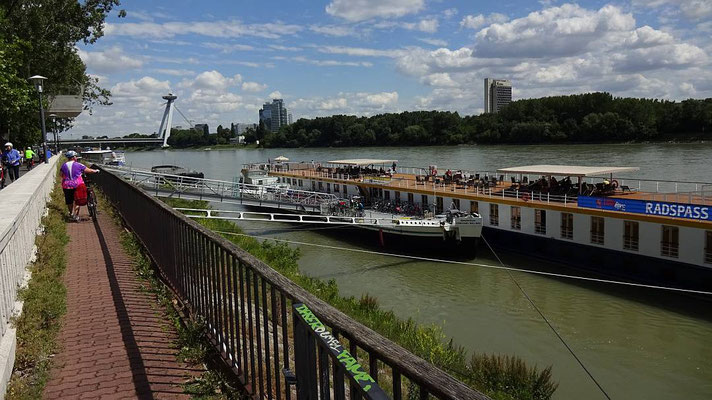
(41, 39)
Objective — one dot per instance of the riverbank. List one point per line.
(499, 376)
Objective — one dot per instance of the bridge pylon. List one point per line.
(167, 119)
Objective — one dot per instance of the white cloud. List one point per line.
(333, 30)
(144, 88)
(175, 72)
(211, 80)
(228, 47)
(284, 48)
(696, 10)
(359, 51)
(557, 31)
(220, 29)
(110, 60)
(276, 95)
(434, 42)
(478, 21)
(359, 103)
(332, 63)
(360, 10)
(253, 86)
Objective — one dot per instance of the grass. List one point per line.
(45, 302)
(501, 377)
(194, 345)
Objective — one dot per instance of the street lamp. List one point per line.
(55, 132)
(37, 80)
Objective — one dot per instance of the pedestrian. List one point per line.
(72, 182)
(12, 158)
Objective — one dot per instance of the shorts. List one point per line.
(68, 196)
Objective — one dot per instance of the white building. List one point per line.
(498, 93)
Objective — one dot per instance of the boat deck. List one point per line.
(503, 190)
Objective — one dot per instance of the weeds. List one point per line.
(45, 302)
(500, 377)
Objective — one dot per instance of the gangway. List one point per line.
(290, 218)
(179, 186)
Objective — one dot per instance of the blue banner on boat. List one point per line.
(661, 208)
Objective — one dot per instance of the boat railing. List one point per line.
(222, 189)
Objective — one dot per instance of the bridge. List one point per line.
(111, 141)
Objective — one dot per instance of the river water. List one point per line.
(638, 343)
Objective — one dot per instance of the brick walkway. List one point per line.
(115, 343)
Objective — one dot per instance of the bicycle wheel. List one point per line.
(91, 204)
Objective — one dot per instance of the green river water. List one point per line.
(639, 343)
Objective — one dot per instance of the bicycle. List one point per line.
(30, 163)
(91, 202)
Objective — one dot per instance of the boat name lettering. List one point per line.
(348, 361)
(665, 209)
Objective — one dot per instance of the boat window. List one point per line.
(567, 226)
(438, 204)
(708, 247)
(670, 244)
(313, 185)
(424, 200)
(630, 235)
(597, 230)
(456, 202)
(516, 218)
(411, 198)
(321, 185)
(540, 221)
(494, 214)
(336, 187)
(387, 194)
(474, 207)
(397, 196)
(301, 183)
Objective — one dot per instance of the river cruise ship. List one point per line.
(588, 217)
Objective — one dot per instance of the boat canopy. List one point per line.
(281, 158)
(566, 170)
(361, 161)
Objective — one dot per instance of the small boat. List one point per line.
(176, 170)
(105, 157)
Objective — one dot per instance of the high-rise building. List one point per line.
(289, 118)
(274, 115)
(241, 127)
(498, 93)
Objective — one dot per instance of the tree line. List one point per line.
(581, 118)
(41, 38)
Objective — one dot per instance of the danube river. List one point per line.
(638, 343)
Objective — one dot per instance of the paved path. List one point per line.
(115, 343)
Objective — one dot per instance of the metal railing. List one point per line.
(245, 304)
(212, 188)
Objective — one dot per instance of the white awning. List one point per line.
(361, 161)
(281, 158)
(566, 170)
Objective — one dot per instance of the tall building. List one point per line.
(498, 93)
(274, 115)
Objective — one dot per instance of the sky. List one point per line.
(224, 59)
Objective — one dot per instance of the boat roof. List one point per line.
(566, 170)
(96, 151)
(361, 161)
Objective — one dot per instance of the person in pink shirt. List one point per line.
(72, 180)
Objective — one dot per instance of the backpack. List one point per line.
(80, 195)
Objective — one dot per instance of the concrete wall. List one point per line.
(23, 205)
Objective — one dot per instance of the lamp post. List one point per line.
(55, 132)
(37, 80)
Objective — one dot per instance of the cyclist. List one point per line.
(11, 157)
(30, 157)
(72, 182)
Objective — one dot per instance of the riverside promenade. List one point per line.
(115, 342)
